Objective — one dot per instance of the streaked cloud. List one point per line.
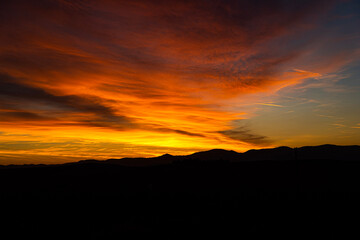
(339, 125)
(144, 75)
(270, 104)
(246, 135)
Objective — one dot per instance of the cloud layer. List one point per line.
(151, 73)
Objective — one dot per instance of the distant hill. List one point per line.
(322, 152)
(278, 191)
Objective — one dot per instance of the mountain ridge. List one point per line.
(319, 152)
(218, 190)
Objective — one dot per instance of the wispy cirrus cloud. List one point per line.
(155, 73)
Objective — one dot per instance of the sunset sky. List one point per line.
(106, 79)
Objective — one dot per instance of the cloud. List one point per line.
(201, 42)
(270, 104)
(21, 100)
(21, 115)
(150, 71)
(246, 135)
(242, 132)
(338, 125)
(10, 88)
(177, 131)
(101, 116)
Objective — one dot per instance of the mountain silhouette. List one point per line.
(324, 152)
(215, 154)
(307, 191)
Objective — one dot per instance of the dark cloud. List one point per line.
(103, 117)
(187, 133)
(244, 134)
(21, 115)
(184, 37)
(12, 90)
(44, 61)
(19, 95)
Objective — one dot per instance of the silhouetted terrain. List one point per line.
(270, 192)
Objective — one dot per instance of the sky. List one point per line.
(95, 79)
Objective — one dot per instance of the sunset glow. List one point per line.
(109, 79)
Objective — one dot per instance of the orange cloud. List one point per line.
(142, 73)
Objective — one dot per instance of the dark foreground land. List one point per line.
(289, 197)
